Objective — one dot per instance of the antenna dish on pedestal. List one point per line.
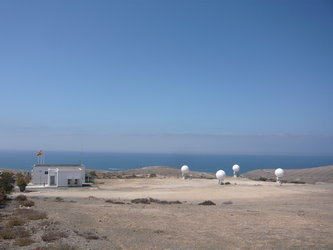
(220, 175)
(279, 172)
(236, 169)
(184, 169)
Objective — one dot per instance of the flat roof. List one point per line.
(69, 169)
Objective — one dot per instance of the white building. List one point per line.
(58, 175)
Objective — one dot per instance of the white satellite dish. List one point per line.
(279, 172)
(236, 169)
(220, 175)
(184, 169)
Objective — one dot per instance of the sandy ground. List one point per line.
(247, 215)
(176, 189)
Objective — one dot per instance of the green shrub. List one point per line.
(22, 181)
(6, 183)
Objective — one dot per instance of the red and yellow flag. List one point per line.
(39, 153)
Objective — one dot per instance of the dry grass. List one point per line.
(58, 199)
(52, 236)
(21, 232)
(23, 242)
(27, 203)
(7, 234)
(61, 246)
(30, 214)
(88, 235)
(15, 222)
(21, 197)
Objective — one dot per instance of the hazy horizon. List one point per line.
(216, 77)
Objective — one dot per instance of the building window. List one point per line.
(46, 172)
(76, 181)
(68, 181)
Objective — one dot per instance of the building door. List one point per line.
(52, 180)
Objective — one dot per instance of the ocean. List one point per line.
(122, 161)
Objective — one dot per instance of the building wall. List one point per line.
(64, 176)
(40, 174)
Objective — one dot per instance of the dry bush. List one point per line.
(61, 246)
(37, 215)
(30, 214)
(151, 200)
(207, 203)
(27, 203)
(21, 232)
(23, 242)
(58, 199)
(51, 236)
(21, 197)
(88, 235)
(7, 233)
(15, 222)
(115, 202)
(92, 198)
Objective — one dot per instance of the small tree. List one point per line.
(22, 181)
(91, 175)
(6, 183)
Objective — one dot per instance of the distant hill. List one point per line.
(307, 175)
(150, 171)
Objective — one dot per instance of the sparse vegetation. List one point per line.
(15, 222)
(297, 182)
(115, 202)
(52, 236)
(59, 199)
(6, 183)
(21, 232)
(207, 203)
(262, 179)
(37, 215)
(61, 246)
(151, 200)
(99, 183)
(91, 197)
(7, 233)
(23, 242)
(27, 203)
(22, 181)
(88, 235)
(21, 197)
(30, 214)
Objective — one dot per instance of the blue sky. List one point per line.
(167, 76)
